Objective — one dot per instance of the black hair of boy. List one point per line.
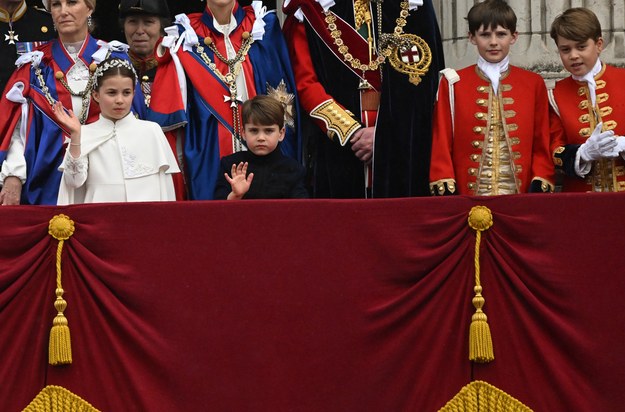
(490, 14)
(263, 110)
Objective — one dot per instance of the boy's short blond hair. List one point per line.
(578, 24)
(263, 110)
(490, 14)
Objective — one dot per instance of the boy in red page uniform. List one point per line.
(491, 128)
(588, 108)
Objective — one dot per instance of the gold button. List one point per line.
(489, 174)
(490, 163)
(489, 187)
(44, 29)
(59, 75)
(92, 67)
(245, 35)
(476, 143)
(145, 78)
(490, 150)
(208, 41)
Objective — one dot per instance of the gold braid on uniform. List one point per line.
(337, 120)
(362, 13)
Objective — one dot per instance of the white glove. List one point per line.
(619, 150)
(598, 145)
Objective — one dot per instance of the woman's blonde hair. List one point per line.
(90, 4)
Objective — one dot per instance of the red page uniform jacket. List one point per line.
(492, 144)
(573, 120)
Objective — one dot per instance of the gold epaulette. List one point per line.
(337, 120)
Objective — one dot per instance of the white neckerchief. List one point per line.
(493, 70)
(590, 79)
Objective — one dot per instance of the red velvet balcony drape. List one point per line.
(317, 305)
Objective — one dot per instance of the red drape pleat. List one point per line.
(316, 305)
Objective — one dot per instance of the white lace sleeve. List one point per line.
(75, 170)
(15, 162)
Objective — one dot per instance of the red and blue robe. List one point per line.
(45, 140)
(208, 118)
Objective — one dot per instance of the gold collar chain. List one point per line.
(383, 52)
(234, 64)
(234, 67)
(85, 95)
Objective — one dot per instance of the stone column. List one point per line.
(535, 50)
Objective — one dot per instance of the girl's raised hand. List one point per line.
(66, 118)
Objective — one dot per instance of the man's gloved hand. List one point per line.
(599, 145)
(619, 150)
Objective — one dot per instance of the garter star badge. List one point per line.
(287, 99)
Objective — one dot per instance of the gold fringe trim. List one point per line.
(480, 341)
(60, 347)
(58, 399)
(483, 397)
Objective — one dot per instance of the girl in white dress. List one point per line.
(118, 158)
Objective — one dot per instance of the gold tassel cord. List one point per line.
(480, 341)
(54, 398)
(60, 347)
(482, 396)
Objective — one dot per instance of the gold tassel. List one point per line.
(60, 347)
(480, 340)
